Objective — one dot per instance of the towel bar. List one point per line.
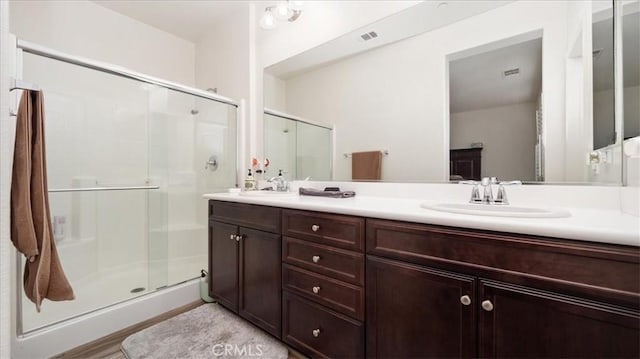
(384, 152)
(17, 84)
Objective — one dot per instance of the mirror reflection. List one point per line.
(473, 89)
(494, 102)
(298, 149)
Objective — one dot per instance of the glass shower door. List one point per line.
(96, 137)
(192, 149)
(128, 163)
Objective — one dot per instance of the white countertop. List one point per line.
(586, 224)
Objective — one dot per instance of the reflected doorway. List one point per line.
(495, 122)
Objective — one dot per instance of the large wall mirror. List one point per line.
(451, 90)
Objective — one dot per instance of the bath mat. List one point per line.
(208, 331)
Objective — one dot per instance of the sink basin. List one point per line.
(497, 210)
(268, 194)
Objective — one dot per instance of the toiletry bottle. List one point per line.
(249, 182)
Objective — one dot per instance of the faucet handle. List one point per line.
(501, 196)
(475, 191)
(475, 195)
(510, 183)
(471, 182)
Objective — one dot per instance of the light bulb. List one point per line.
(268, 21)
(282, 11)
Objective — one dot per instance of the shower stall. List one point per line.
(129, 157)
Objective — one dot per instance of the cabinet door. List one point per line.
(417, 312)
(521, 322)
(260, 279)
(223, 264)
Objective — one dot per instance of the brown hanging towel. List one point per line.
(366, 165)
(31, 230)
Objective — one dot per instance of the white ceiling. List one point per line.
(187, 19)
(420, 18)
(477, 81)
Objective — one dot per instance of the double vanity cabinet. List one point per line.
(333, 285)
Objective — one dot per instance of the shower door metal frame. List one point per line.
(35, 49)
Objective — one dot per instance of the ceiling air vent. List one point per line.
(511, 72)
(369, 35)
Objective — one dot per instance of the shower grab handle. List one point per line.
(92, 189)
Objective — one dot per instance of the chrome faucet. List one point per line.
(280, 184)
(487, 194)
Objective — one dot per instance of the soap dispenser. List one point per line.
(249, 182)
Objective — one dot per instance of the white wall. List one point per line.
(222, 56)
(275, 93)
(7, 69)
(509, 137)
(405, 108)
(83, 28)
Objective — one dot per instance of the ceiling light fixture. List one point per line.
(284, 11)
(268, 20)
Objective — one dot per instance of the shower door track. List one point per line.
(119, 71)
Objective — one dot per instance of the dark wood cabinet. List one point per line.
(417, 312)
(322, 281)
(466, 163)
(517, 322)
(320, 332)
(223, 264)
(245, 263)
(427, 292)
(260, 273)
(530, 297)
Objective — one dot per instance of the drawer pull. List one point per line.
(316, 332)
(487, 305)
(465, 300)
(315, 227)
(315, 259)
(316, 290)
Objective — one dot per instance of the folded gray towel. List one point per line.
(332, 194)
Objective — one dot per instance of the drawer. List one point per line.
(340, 296)
(336, 263)
(330, 229)
(320, 332)
(247, 215)
(600, 271)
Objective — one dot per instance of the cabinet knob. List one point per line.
(487, 305)
(315, 227)
(315, 259)
(233, 236)
(238, 238)
(465, 300)
(316, 332)
(316, 290)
